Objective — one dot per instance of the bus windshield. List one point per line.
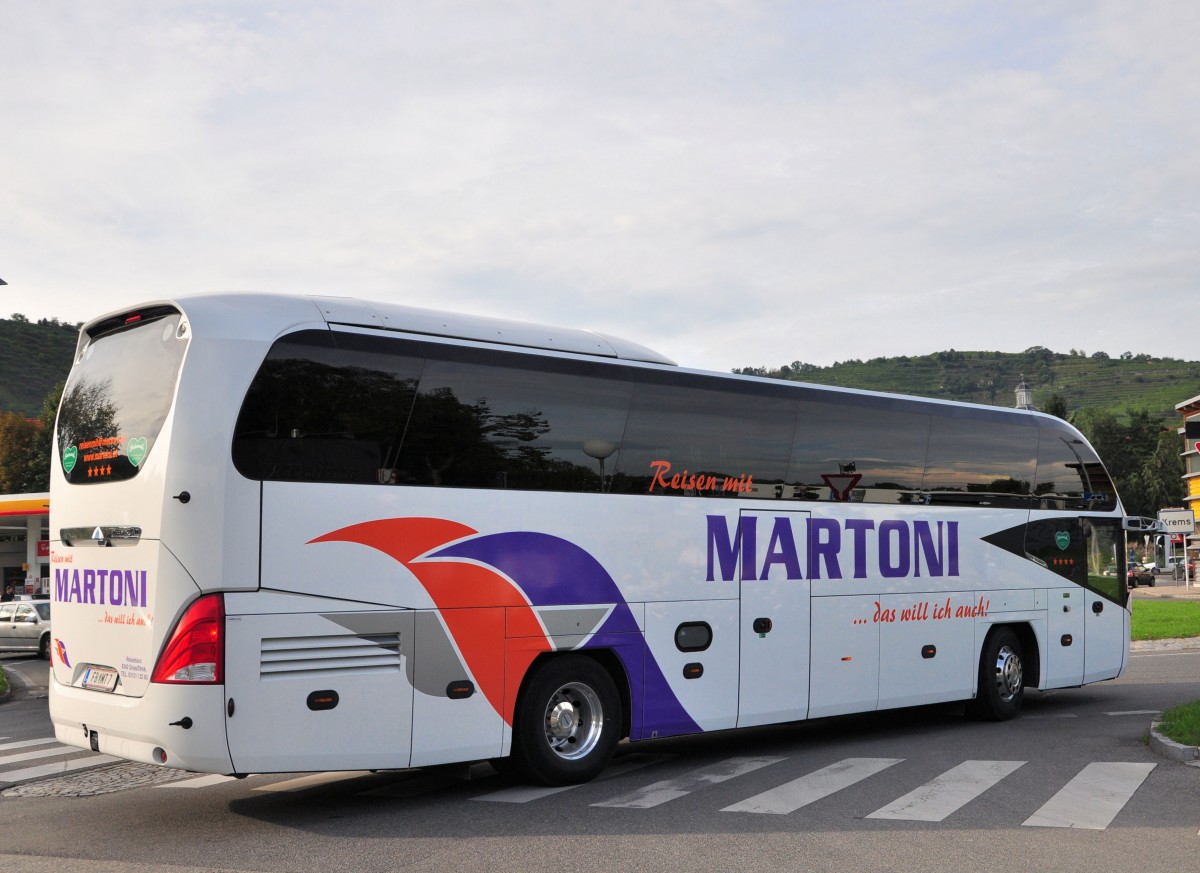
(117, 398)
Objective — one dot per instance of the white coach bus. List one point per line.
(309, 533)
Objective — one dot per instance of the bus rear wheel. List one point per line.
(1001, 677)
(566, 723)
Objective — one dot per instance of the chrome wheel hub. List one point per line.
(1009, 674)
(574, 720)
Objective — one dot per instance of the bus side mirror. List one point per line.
(1143, 525)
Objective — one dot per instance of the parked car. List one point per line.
(1177, 561)
(1138, 576)
(25, 624)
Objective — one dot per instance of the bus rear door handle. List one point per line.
(1098, 607)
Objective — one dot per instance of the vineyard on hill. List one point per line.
(1119, 385)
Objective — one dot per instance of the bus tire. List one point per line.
(566, 723)
(1001, 677)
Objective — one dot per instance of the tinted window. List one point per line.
(1069, 474)
(885, 448)
(334, 407)
(512, 422)
(1105, 540)
(321, 410)
(683, 439)
(117, 397)
(975, 460)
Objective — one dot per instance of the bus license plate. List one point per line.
(99, 679)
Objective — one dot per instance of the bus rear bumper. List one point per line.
(148, 729)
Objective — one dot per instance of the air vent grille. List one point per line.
(292, 657)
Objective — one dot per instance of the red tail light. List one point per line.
(195, 654)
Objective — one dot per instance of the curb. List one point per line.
(1168, 748)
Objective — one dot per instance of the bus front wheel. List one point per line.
(567, 722)
(1001, 677)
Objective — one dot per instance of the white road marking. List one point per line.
(199, 781)
(526, 793)
(949, 792)
(56, 769)
(311, 781)
(38, 753)
(1093, 798)
(813, 787)
(670, 789)
(25, 744)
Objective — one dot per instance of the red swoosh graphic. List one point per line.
(459, 590)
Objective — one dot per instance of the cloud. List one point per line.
(733, 183)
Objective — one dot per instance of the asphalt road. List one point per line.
(1070, 784)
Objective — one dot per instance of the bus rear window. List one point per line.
(117, 398)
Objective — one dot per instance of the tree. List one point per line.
(1107, 435)
(1141, 457)
(25, 446)
(1057, 405)
(21, 470)
(1161, 477)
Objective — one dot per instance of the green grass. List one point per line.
(1182, 724)
(1165, 619)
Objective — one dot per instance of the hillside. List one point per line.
(1116, 384)
(34, 358)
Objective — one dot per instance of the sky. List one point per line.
(730, 183)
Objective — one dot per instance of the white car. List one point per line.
(25, 624)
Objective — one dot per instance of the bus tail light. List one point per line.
(195, 653)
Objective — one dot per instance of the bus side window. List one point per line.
(1069, 475)
(514, 422)
(976, 462)
(885, 448)
(693, 441)
(325, 410)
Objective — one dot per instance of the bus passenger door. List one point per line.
(1058, 544)
(1106, 639)
(774, 619)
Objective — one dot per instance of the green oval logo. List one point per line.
(1063, 539)
(137, 451)
(70, 456)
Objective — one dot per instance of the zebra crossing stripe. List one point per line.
(199, 781)
(58, 768)
(948, 793)
(1093, 798)
(814, 786)
(670, 789)
(526, 793)
(25, 744)
(38, 753)
(313, 780)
